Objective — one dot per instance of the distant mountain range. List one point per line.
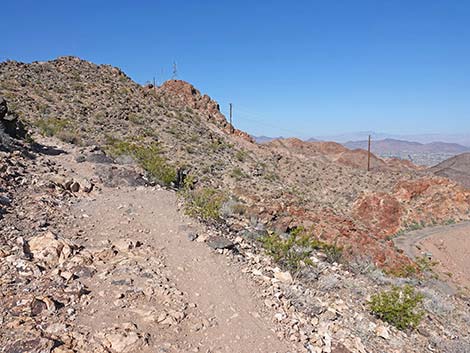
(421, 153)
(461, 139)
(389, 143)
(393, 146)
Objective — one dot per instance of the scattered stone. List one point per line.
(218, 242)
(192, 236)
(284, 277)
(383, 332)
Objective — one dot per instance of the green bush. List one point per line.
(52, 126)
(237, 174)
(400, 307)
(205, 203)
(149, 157)
(241, 155)
(295, 251)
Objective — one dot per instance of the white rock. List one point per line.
(383, 332)
(285, 277)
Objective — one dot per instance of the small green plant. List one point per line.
(205, 203)
(416, 226)
(449, 222)
(149, 157)
(399, 306)
(52, 126)
(241, 155)
(136, 119)
(293, 252)
(403, 271)
(425, 264)
(237, 174)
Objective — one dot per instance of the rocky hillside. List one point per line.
(456, 168)
(96, 257)
(180, 137)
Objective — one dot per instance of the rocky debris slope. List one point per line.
(281, 186)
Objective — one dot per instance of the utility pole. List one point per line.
(368, 156)
(231, 126)
(175, 71)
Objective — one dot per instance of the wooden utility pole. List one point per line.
(231, 126)
(368, 156)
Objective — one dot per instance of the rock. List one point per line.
(122, 341)
(80, 158)
(3, 107)
(50, 249)
(75, 187)
(192, 236)
(284, 277)
(4, 201)
(36, 345)
(217, 242)
(383, 332)
(339, 348)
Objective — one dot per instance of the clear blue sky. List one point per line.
(303, 68)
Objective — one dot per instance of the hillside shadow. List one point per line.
(47, 150)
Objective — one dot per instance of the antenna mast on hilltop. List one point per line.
(175, 71)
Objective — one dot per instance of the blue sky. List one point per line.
(304, 68)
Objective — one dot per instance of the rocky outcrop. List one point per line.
(9, 123)
(184, 95)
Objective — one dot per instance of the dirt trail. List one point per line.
(155, 288)
(448, 245)
(215, 309)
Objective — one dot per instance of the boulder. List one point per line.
(217, 242)
(9, 121)
(3, 107)
(50, 249)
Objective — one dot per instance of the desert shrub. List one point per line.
(403, 271)
(425, 264)
(294, 251)
(52, 126)
(333, 252)
(399, 306)
(232, 207)
(437, 303)
(241, 155)
(362, 264)
(204, 203)
(147, 155)
(329, 282)
(136, 119)
(69, 137)
(237, 174)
